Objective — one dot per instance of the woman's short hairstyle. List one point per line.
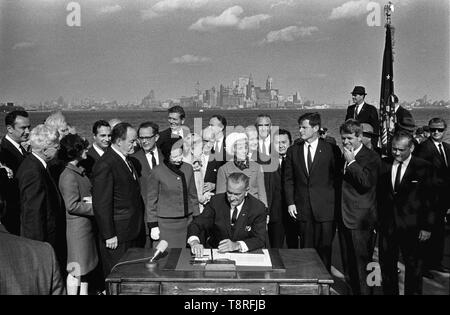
(42, 137)
(71, 147)
(56, 120)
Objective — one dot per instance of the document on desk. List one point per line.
(258, 259)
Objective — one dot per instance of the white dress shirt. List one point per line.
(358, 108)
(148, 155)
(395, 167)
(265, 144)
(313, 145)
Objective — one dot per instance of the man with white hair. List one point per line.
(42, 218)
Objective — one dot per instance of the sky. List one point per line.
(120, 50)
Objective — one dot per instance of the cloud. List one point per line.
(289, 3)
(23, 45)
(167, 6)
(229, 18)
(172, 5)
(190, 60)
(252, 22)
(349, 9)
(289, 34)
(110, 9)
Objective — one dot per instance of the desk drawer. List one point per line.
(299, 289)
(197, 288)
(139, 288)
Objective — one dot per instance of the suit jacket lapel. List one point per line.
(317, 157)
(407, 175)
(227, 217)
(17, 154)
(302, 159)
(123, 165)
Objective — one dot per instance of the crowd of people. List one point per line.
(235, 188)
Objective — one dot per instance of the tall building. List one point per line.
(269, 82)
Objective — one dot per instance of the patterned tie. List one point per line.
(309, 158)
(397, 177)
(130, 166)
(441, 151)
(356, 112)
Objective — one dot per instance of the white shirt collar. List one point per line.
(14, 143)
(97, 149)
(405, 162)
(40, 159)
(313, 144)
(437, 144)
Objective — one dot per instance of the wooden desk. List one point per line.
(304, 274)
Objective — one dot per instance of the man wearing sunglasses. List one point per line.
(435, 150)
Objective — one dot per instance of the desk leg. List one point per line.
(324, 289)
(113, 288)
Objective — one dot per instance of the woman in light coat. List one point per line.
(75, 189)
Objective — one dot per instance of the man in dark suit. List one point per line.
(406, 218)
(357, 216)
(116, 198)
(235, 220)
(436, 151)
(175, 132)
(311, 178)
(210, 165)
(219, 125)
(145, 160)
(42, 209)
(27, 267)
(400, 112)
(102, 140)
(363, 112)
(280, 223)
(12, 155)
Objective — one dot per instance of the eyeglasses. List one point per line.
(437, 129)
(146, 138)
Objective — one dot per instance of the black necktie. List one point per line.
(309, 158)
(441, 151)
(22, 150)
(153, 159)
(356, 112)
(397, 176)
(234, 217)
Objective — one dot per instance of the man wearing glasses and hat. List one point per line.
(363, 112)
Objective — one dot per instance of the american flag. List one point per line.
(387, 106)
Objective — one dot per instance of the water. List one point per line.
(287, 119)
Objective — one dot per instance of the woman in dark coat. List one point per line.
(75, 189)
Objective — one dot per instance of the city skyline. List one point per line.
(123, 49)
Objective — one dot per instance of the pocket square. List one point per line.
(248, 228)
(414, 181)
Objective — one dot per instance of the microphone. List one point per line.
(160, 249)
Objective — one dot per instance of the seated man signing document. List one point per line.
(233, 221)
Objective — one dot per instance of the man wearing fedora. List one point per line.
(363, 112)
